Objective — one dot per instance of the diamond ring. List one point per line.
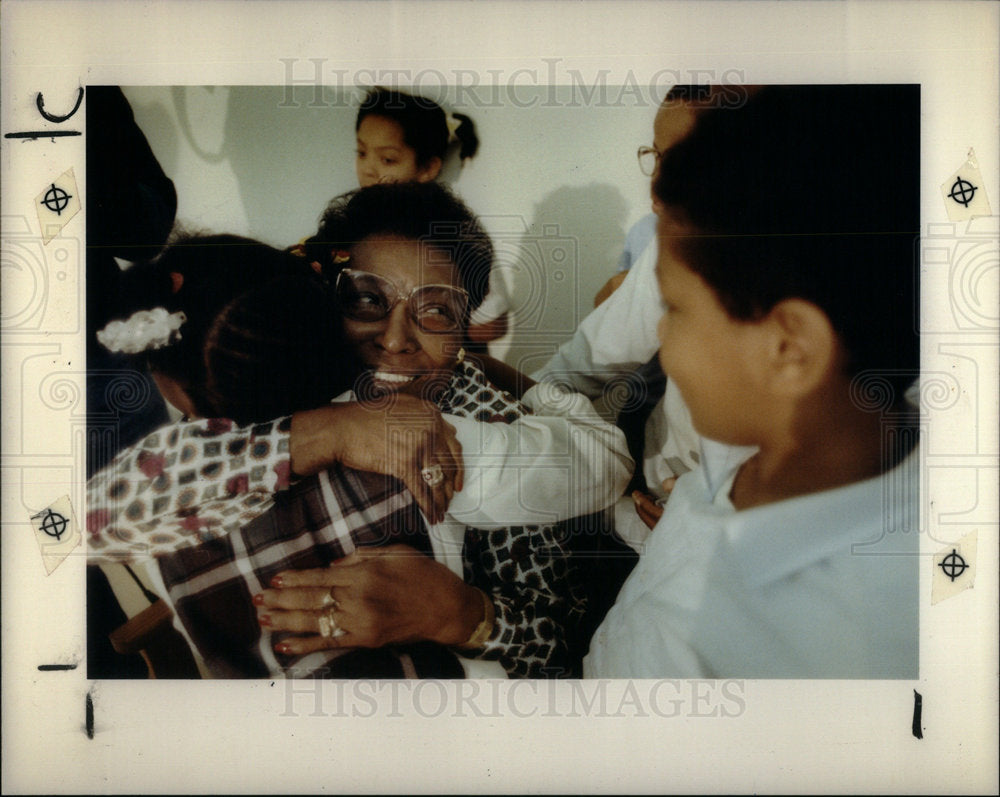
(433, 475)
(328, 625)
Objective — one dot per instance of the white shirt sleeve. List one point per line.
(561, 462)
(616, 337)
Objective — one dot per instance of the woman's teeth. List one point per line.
(388, 376)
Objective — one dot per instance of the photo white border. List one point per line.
(815, 736)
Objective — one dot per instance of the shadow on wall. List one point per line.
(155, 116)
(553, 269)
(291, 161)
(289, 155)
(288, 162)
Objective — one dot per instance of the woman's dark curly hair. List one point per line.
(425, 212)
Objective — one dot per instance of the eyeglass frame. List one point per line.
(399, 298)
(642, 152)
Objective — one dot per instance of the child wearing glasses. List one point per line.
(618, 339)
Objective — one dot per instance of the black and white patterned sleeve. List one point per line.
(531, 578)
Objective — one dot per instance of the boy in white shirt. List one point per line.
(789, 293)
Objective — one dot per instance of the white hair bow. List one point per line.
(142, 331)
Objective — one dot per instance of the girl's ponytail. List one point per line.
(465, 133)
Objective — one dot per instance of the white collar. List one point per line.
(774, 540)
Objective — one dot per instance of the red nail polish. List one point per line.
(277, 582)
(258, 600)
(283, 647)
(264, 619)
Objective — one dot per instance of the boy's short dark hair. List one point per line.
(426, 212)
(809, 192)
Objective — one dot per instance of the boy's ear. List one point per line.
(802, 347)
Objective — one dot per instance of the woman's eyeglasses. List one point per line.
(648, 158)
(367, 297)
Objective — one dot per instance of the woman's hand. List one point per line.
(401, 440)
(380, 596)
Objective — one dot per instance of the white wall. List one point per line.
(555, 181)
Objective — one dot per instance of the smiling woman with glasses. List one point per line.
(410, 263)
(340, 575)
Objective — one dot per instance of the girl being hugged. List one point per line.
(237, 336)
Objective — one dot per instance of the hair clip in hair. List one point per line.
(341, 256)
(453, 125)
(142, 331)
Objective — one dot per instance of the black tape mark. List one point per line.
(51, 667)
(34, 135)
(918, 706)
(90, 716)
(40, 102)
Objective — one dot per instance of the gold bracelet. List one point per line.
(485, 628)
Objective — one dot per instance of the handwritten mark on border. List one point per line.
(34, 135)
(40, 103)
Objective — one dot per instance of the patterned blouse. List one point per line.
(199, 483)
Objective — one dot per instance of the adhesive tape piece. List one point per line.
(954, 569)
(964, 193)
(58, 202)
(57, 533)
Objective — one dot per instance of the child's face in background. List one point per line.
(383, 156)
(709, 355)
